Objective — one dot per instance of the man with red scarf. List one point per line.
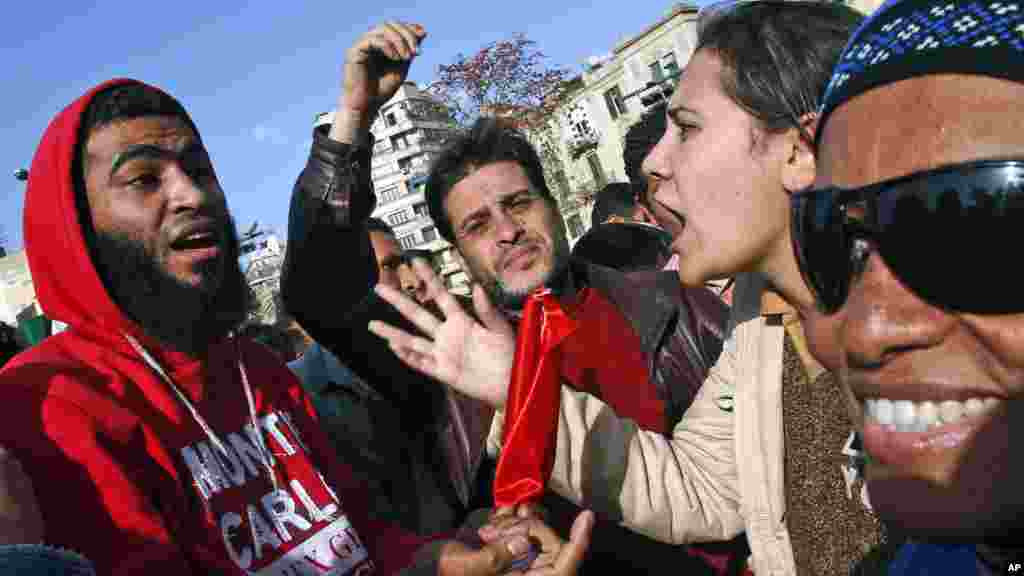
(641, 342)
(159, 440)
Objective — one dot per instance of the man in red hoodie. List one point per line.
(156, 439)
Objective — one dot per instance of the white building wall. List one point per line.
(627, 68)
(408, 136)
(16, 289)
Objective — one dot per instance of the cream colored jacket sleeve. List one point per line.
(676, 489)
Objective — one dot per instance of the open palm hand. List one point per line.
(474, 357)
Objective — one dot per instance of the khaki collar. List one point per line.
(773, 305)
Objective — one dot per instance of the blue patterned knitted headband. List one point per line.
(909, 38)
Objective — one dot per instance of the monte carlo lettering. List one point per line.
(295, 528)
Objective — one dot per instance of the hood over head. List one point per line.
(67, 283)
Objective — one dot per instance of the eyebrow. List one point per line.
(150, 151)
(483, 209)
(674, 112)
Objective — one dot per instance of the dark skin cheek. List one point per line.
(999, 348)
(823, 337)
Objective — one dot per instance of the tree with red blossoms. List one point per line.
(508, 78)
(513, 80)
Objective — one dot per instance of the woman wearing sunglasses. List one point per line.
(910, 240)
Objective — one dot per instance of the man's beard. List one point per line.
(186, 318)
(513, 299)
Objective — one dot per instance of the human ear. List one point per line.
(800, 165)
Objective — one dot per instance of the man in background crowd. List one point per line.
(623, 234)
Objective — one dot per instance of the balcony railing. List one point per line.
(414, 148)
(580, 143)
(582, 192)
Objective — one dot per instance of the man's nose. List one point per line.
(186, 193)
(882, 319)
(508, 228)
(413, 284)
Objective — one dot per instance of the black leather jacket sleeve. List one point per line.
(330, 268)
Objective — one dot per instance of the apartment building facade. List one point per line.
(584, 139)
(409, 131)
(261, 258)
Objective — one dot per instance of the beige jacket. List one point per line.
(722, 470)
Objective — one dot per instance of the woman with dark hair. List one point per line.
(740, 135)
(739, 140)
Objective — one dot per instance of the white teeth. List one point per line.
(884, 411)
(927, 415)
(907, 416)
(871, 409)
(951, 411)
(904, 415)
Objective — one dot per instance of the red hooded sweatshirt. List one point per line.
(121, 464)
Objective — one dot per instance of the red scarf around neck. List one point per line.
(531, 411)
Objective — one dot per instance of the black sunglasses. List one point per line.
(937, 230)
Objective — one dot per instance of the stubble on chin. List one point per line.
(508, 297)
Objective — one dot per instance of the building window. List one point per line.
(429, 234)
(579, 123)
(415, 163)
(400, 217)
(613, 99)
(389, 119)
(420, 209)
(388, 194)
(561, 182)
(408, 241)
(664, 67)
(575, 226)
(597, 171)
(668, 62)
(657, 74)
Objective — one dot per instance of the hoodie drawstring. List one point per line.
(210, 434)
(264, 451)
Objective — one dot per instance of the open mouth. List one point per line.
(196, 241)
(675, 221)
